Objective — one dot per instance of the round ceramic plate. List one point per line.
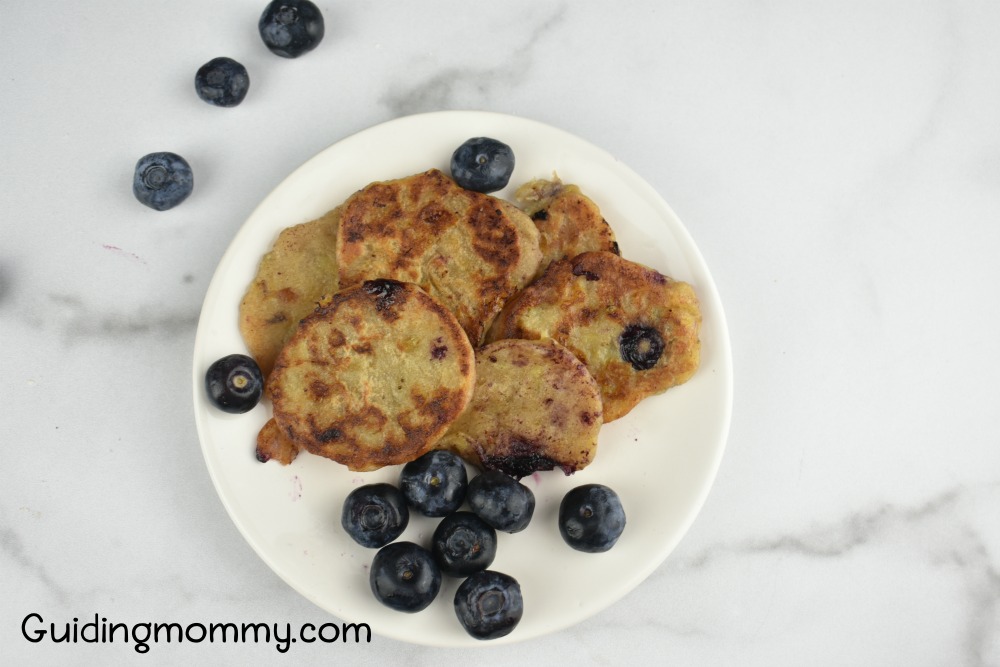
(661, 458)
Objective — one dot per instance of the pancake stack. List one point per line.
(418, 315)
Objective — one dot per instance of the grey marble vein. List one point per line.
(12, 546)
(934, 530)
(453, 87)
(76, 321)
(6, 282)
(831, 540)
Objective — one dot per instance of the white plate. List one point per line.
(661, 458)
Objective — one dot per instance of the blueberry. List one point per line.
(482, 164)
(384, 290)
(162, 180)
(234, 383)
(591, 518)
(501, 501)
(489, 604)
(404, 577)
(375, 514)
(290, 28)
(222, 82)
(463, 543)
(435, 483)
(640, 346)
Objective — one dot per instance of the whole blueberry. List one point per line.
(501, 501)
(463, 543)
(482, 164)
(222, 82)
(290, 28)
(435, 483)
(591, 518)
(375, 514)
(162, 180)
(404, 576)
(489, 604)
(234, 383)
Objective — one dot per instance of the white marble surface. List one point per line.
(838, 165)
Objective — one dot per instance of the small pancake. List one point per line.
(373, 377)
(292, 277)
(635, 329)
(469, 250)
(568, 221)
(535, 407)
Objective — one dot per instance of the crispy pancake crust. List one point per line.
(594, 304)
(469, 250)
(535, 407)
(568, 221)
(273, 445)
(373, 377)
(292, 277)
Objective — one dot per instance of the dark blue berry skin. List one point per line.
(435, 483)
(404, 577)
(640, 346)
(375, 514)
(489, 604)
(162, 180)
(222, 82)
(463, 543)
(591, 518)
(501, 501)
(290, 28)
(234, 383)
(482, 164)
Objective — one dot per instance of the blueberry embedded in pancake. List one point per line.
(568, 221)
(635, 329)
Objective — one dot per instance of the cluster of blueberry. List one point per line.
(289, 28)
(407, 577)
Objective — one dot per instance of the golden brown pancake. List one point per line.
(373, 377)
(535, 407)
(635, 329)
(469, 250)
(568, 221)
(292, 277)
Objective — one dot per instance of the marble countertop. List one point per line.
(837, 165)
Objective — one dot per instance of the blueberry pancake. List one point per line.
(299, 269)
(568, 221)
(634, 328)
(373, 377)
(469, 250)
(535, 407)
